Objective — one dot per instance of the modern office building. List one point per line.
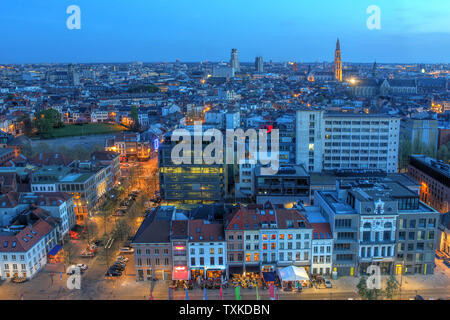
(189, 183)
(421, 132)
(290, 184)
(234, 61)
(327, 141)
(259, 65)
(383, 224)
(434, 179)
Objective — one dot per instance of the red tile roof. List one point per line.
(200, 231)
(25, 239)
(321, 230)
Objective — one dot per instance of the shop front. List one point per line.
(268, 268)
(180, 277)
(215, 273)
(235, 270)
(197, 273)
(386, 267)
(293, 278)
(55, 255)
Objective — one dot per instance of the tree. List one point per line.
(362, 288)
(68, 253)
(135, 117)
(106, 210)
(122, 230)
(405, 150)
(27, 150)
(27, 125)
(91, 230)
(365, 293)
(42, 147)
(80, 153)
(444, 153)
(46, 120)
(391, 288)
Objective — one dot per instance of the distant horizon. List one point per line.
(217, 62)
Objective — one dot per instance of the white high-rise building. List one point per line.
(234, 61)
(327, 141)
(259, 65)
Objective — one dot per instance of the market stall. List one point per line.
(293, 278)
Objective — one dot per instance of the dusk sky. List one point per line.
(34, 31)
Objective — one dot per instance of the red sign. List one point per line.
(179, 247)
(180, 273)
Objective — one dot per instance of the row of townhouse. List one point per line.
(379, 223)
(359, 224)
(170, 246)
(86, 181)
(262, 238)
(59, 205)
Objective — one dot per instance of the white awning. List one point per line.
(293, 273)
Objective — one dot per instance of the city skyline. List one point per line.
(167, 32)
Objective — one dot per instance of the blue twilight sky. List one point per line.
(35, 31)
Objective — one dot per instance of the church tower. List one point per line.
(338, 62)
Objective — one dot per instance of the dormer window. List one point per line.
(5, 244)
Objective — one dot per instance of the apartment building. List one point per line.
(289, 185)
(322, 249)
(434, 179)
(153, 248)
(25, 244)
(207, 249)
(189, 183)
(327, 141)
(266, 236)
(383, 224)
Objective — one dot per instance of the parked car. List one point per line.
(117, 267)
(82, 266)
(98, 243)
(119, 213)
(126, 250)
(87, 254)
(122, 259)
(113, 273)
(447, 262)
(328, 283)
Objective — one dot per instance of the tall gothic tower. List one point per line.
(338, 62)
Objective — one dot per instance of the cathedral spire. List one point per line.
(338, 62)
